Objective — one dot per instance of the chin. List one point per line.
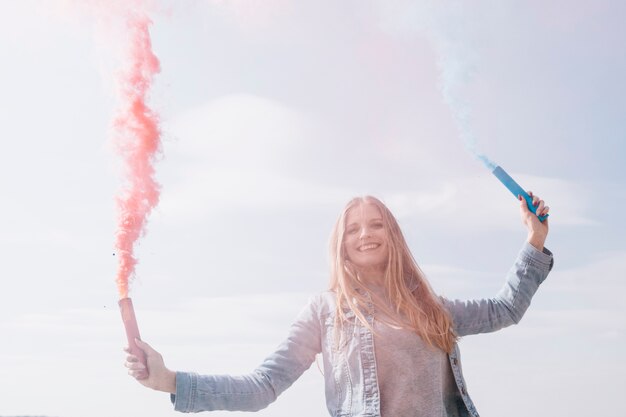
(374, 266)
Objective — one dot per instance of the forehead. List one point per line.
(362, 213)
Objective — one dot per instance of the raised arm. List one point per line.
(251, 392)
(530, 269)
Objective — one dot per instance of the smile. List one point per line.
(367, 247)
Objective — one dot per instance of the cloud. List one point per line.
(483, 203)
(254, 318)
(251, 324)
(239, 151)
(240, 130)
(599, 283)
(243, 151)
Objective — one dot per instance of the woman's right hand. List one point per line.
(537, 230)
(156, 376)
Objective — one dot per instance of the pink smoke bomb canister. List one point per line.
(132, 330)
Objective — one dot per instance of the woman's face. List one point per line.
(365, 239)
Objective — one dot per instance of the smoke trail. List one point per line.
(447, 26)
(137, 140)
(450, 32)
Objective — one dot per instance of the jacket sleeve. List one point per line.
(256, 390)
(509, 305)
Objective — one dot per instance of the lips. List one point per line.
(368, 247)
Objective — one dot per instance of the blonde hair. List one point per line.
(420, 307)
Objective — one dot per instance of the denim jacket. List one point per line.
(350, 366)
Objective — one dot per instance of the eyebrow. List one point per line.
(377, 219)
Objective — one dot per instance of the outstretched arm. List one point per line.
(250, 392)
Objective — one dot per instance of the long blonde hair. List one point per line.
(423, 311)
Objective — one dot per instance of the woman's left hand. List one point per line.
(156, 375)
(537, 230)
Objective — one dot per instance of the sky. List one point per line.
(273, 116)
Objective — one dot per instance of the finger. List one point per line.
(132, 358)
(522, 203)
(545, 211)
(536, 200)
(144, 346)
(135, 366)
(540, 206)
(137, 374)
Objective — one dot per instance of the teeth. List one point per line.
(368, 246)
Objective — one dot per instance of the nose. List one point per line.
(365, 232)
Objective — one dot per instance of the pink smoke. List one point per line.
(137, 140)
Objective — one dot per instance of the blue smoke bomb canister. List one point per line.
(516, 189)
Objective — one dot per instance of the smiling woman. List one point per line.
(365, 242)
(388, 342)
(371, 254)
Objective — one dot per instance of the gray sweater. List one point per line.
(415, 379)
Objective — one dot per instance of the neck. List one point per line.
(374, 276)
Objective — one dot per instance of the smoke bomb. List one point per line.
(516, 189)
(132, 330)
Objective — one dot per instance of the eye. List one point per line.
(377, 225)
(351, 230)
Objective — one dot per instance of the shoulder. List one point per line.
(319, 307)
(324, 302)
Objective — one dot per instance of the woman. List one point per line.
(388, 342)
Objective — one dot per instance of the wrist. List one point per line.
(171, 382)
(537, 240)
(165, 382)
